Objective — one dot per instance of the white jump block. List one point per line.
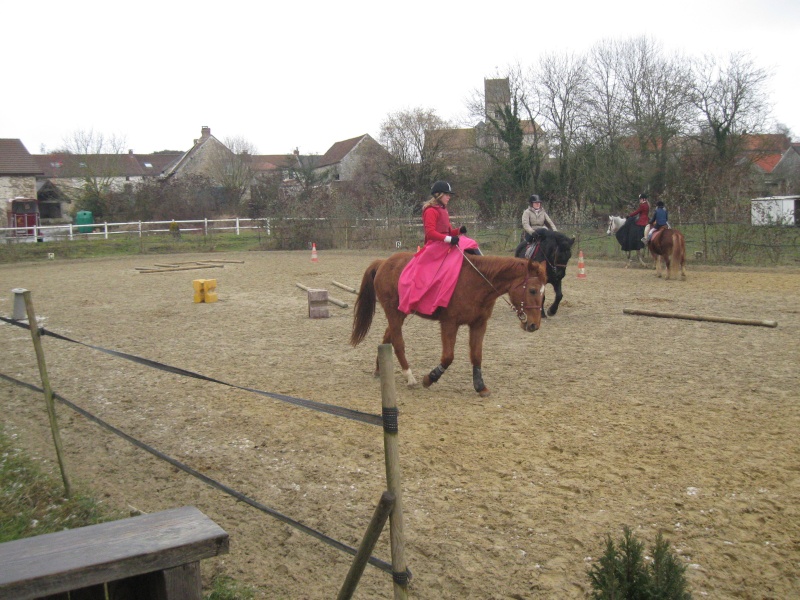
(318, 304)
(20, 312)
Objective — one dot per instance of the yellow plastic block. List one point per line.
(205, 290)
(211, 290)
(199, 290)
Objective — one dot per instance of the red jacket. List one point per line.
(436, 222)
(643, 210)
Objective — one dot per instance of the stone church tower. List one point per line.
(497, 94)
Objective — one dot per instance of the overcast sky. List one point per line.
(286, 75)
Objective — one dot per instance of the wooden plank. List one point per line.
(165, 270)
(58, 562)
(712, 319)
(344, 287)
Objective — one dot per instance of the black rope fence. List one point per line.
(338, 411)
(321, 407)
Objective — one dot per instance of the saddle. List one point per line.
(658, 233)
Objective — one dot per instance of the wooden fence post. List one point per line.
(48, 392)
(393, 484)
(374, 529)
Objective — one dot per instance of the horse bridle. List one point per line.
(521, 315)
(553, 265)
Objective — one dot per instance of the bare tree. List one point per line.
(730, 98)
(657, 102)
(96, 160)
(561, 83)
(417, 140)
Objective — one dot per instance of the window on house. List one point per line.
(148, 165)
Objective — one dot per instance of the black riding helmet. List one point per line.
(534, 198)
(442, 187)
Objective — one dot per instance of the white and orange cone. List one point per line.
(314, 253)
(581, 266)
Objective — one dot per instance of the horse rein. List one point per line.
(553, 265)
(521, 310)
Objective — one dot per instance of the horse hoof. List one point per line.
(484, 393)
(426, 382)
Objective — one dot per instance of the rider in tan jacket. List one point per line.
(533, 218)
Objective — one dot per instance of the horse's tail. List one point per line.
(678, 248)
(365, 304)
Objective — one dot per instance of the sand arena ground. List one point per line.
(598, 420)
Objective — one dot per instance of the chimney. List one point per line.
(205, 132)
(130, 151)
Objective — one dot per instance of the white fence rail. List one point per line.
(72, 231)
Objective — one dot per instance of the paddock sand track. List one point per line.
(587, 429)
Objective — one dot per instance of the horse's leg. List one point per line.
(544, 314)
(628, 264)
(639, 256)
(476, 333)
(554, 306)
(449, 332)
(394, 336)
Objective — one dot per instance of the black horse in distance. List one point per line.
(554, 249)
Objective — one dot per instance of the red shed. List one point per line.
(23, 212)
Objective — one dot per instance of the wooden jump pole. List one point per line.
(392, 459)
(385, 505)
(331, 300)
(48, 392)
(167, 269)
(345, 287)
(655, 313)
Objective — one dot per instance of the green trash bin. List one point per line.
(84, 217)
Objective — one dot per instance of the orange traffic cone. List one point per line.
(581, 267)
(314, 253)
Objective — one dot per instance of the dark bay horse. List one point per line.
(554, 249)
(668, 245)
(482, 280)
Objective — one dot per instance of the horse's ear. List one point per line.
(571, 241)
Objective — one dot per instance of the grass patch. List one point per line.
(226, 588)
(32, 501)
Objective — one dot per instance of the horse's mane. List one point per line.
(561, 240)
(491, 266)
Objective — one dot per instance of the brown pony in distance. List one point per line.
(669, 245)
(482, 280)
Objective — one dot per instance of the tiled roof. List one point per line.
(766, 142)
(58, 164)
(16, 160)
(450, 139)
(338, 151)
(271, 162)
(767, 163)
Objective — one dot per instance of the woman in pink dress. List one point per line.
(428, 281)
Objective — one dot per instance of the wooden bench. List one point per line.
(155, 556)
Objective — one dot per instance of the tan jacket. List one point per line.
(533, 219)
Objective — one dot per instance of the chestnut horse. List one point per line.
(669, 245)
(482, 280)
